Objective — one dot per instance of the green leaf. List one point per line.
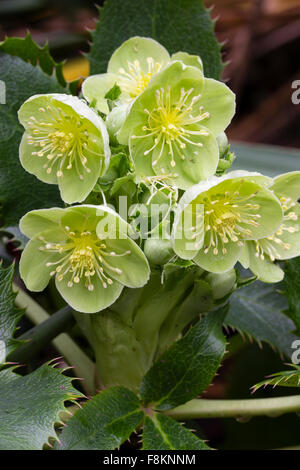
(114, 93)
(257, 311)
(292, 290)
(163, 433)
(179, 25)
(30, 405)
(20, 192)
(9, 313)
(188, 366)
(286, 378)
(27, 50)
(104, 422)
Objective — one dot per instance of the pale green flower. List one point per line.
(284, 243)
(87, 250)
(171, 128)
(216, 217)
(65, 143)
(131, 67)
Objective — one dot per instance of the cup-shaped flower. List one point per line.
(283, 244)
(131, 67)
(65, 143)
(216, 217)
(171, 127)
(87, 250)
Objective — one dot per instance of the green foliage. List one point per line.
(188, 366)
(30, 405)
(179, 25)
(292, 290)
(27, 50)
(256, 310)
(103, 423)
(9, 314)
(286, 378)
(163, 433)
(20, 191)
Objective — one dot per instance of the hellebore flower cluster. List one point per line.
(168, 119)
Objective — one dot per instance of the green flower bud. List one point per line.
(216, 217)
(87, 250)
(222, 143)
(158, 251)
(221, 284)
(115, 121)
(64, 143)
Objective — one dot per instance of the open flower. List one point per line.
(172, 126)
(283, 244)
(216, 217)
(64, 143)
(131, 66)
(87, 250)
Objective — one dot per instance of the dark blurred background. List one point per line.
(262, 45)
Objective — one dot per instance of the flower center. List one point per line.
(172, 124)
(135, 80)
(61, 139)
(84, 256)
(225, 218)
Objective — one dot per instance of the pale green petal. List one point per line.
(285, 244)
(188, 59)
(33, 264)
(137, 48)
(244, 256)
(264, 269)
(95, 87)
(219, 101)
(142, 163)
(188, 230)
(73, 188)
(220, 262)
(288, 185)
(33, 164)
(40, 220)
(83, 300)
(197, 161)
(133, 264)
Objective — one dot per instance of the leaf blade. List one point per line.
(188, 366)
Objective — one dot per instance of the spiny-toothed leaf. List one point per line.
(292, 291)
(103, 423)
(27, 50)
(9, 313)
(163, 433)
(20, 192)
(30, 405)
(286, 378)
(256, 310)
(180, 25)
(186, 369)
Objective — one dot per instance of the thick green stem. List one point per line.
(239, 409)
(36, 338)
(83, 366)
